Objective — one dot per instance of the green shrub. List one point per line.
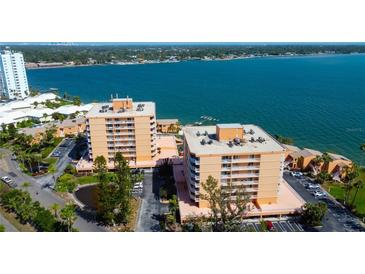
(163, 193)
(66, 183)
(70, 169)
(313, 213)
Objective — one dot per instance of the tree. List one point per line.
(173, 204)
(45, 115)
(228, 206)
(58, 116)
(76, 100)
(100, 167)
(68, 215)
(313, 214)
(358, 185)
(12, 131)
(323, 177)
(2, 228)
(124, 194)
(326, 159)
(115, 195)
(351, 172)
(317, 162)
(55, 208)
(45, 221)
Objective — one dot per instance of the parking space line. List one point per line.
(286, 226)
(257, 227)
(282, 227)
(277, 227)
(251, 226)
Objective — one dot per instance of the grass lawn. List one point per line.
(89, 179)
(337, 190)
(68, 182)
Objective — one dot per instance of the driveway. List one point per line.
(38, 192)
(151, 208)
(337, 218)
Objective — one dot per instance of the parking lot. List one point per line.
(289, 225)
(338, 218)
(62, 148)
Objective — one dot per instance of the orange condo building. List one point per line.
(243, 156)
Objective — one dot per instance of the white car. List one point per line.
(312, 186)
(137, 187)
(296, 174)
(319, 194)
(6, 179)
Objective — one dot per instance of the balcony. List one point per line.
(241, 183)
(124, 144)
(194, 161)
(194, 177)
(238, 168)
(241, 160)
(240, 175)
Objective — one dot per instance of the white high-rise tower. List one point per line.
(13, 78)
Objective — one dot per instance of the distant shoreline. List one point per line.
(192, 60)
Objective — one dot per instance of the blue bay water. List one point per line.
(319, 101)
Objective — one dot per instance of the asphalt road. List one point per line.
(37, 189)
(337, 218)
(151, 208)
(8, 226)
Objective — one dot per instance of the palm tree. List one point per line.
(55, 208)
(38, 158)
(68, 215)
(351, 172)
(317, 163)
(358, 185)
(326, 159)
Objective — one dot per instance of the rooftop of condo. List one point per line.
(229, 139)
(124, 107)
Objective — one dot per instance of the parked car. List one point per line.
(56, 154)
(137, 187)
(6, 179)
(319, 194)
(296, 174)
(312, 186)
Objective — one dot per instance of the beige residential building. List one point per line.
(243, 156)
(122, 126)
(167, 125)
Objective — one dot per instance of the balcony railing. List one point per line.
(234, 168)
(240, 175)
(194, 161)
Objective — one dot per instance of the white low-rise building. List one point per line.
(17, 111)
